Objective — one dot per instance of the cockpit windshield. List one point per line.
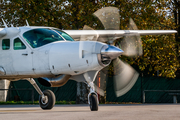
(42, 36)
(65, 35)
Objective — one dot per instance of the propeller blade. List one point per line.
(109, 17)
(131, 43)
(132, 25)
(124, 77)
(93, 37)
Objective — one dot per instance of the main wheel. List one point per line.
(49, 101)
(93, 102)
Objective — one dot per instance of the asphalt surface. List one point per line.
(82, 112)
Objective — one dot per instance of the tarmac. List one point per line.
(82, 112)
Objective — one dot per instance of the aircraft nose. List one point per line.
(112, 52)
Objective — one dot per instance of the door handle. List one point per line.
(25, 54)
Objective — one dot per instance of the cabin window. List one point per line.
(6, 44)
(18, 44)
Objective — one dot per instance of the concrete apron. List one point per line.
(4, 84)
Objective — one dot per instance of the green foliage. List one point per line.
(160, 52)
(35, 102)
(65, 102)
(19, 102)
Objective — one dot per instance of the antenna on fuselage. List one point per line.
(27, 23)
(4, 23)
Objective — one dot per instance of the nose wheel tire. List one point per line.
(93, 102)
(49, 101)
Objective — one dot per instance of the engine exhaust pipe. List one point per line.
(54, 82)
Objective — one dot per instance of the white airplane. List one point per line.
(54, 57)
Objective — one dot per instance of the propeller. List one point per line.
(124, 75)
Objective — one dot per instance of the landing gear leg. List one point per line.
(92, 98)
(47, 98)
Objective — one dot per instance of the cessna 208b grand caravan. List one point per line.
(54, 57)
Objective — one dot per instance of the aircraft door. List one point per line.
(41, 61)
(22, 58)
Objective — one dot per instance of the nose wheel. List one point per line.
(47, 101)
(93, 102)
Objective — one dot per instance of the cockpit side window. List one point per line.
(18, 44)
(65, 35)
(39, 37)
(6, 44)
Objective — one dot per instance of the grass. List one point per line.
(35, 102)
(57, 102)
(120, 103)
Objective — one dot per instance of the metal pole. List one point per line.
(144, 97)
(141, 88)
(174, 99)
(32, 96)
(10, 94)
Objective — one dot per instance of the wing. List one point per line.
(76, 34)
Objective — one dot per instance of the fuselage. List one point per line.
(27, 52)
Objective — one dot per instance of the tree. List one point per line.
(37, 12)
(173, 8)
